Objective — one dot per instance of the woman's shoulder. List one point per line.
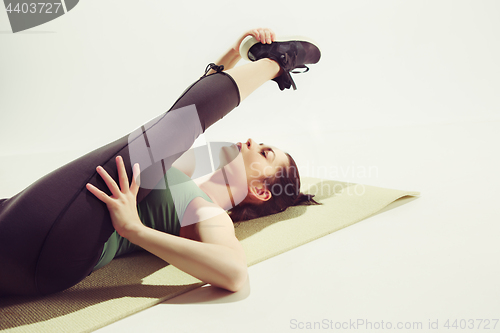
(200, 209)
(204, 217)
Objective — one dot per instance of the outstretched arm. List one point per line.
(232, 56)
(219, 259)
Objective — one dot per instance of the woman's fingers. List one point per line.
(122, 179)
(98, 193)
(264, 35)
(256, 34)
(134, 188)
(118, 195)
(122, 174)
(273, 36)
(109, 181)
(267, 34)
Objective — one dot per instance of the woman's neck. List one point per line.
(227, 187)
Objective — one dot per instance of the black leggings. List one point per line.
(52, 233)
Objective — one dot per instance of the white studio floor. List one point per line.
(405, 97)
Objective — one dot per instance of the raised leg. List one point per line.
(52, 233)
(250, 76)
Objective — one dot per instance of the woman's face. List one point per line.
(261, 161)
(247, 164)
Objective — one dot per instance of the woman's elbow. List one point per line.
(237, 280)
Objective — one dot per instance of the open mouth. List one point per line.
(239, 146)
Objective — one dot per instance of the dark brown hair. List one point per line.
(285, 188)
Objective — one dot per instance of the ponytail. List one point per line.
(305, 199)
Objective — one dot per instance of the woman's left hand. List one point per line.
(122, 205)
(263, 35)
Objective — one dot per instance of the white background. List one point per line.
(406, 88)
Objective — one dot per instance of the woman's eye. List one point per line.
(263, 153)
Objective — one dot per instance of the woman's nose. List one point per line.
(250, 143)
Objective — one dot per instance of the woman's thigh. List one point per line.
(52, 233)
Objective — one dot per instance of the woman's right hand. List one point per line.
(263, 35)
(122, 203)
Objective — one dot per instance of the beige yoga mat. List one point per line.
(132, 283)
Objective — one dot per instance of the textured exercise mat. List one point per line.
(135, 282)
